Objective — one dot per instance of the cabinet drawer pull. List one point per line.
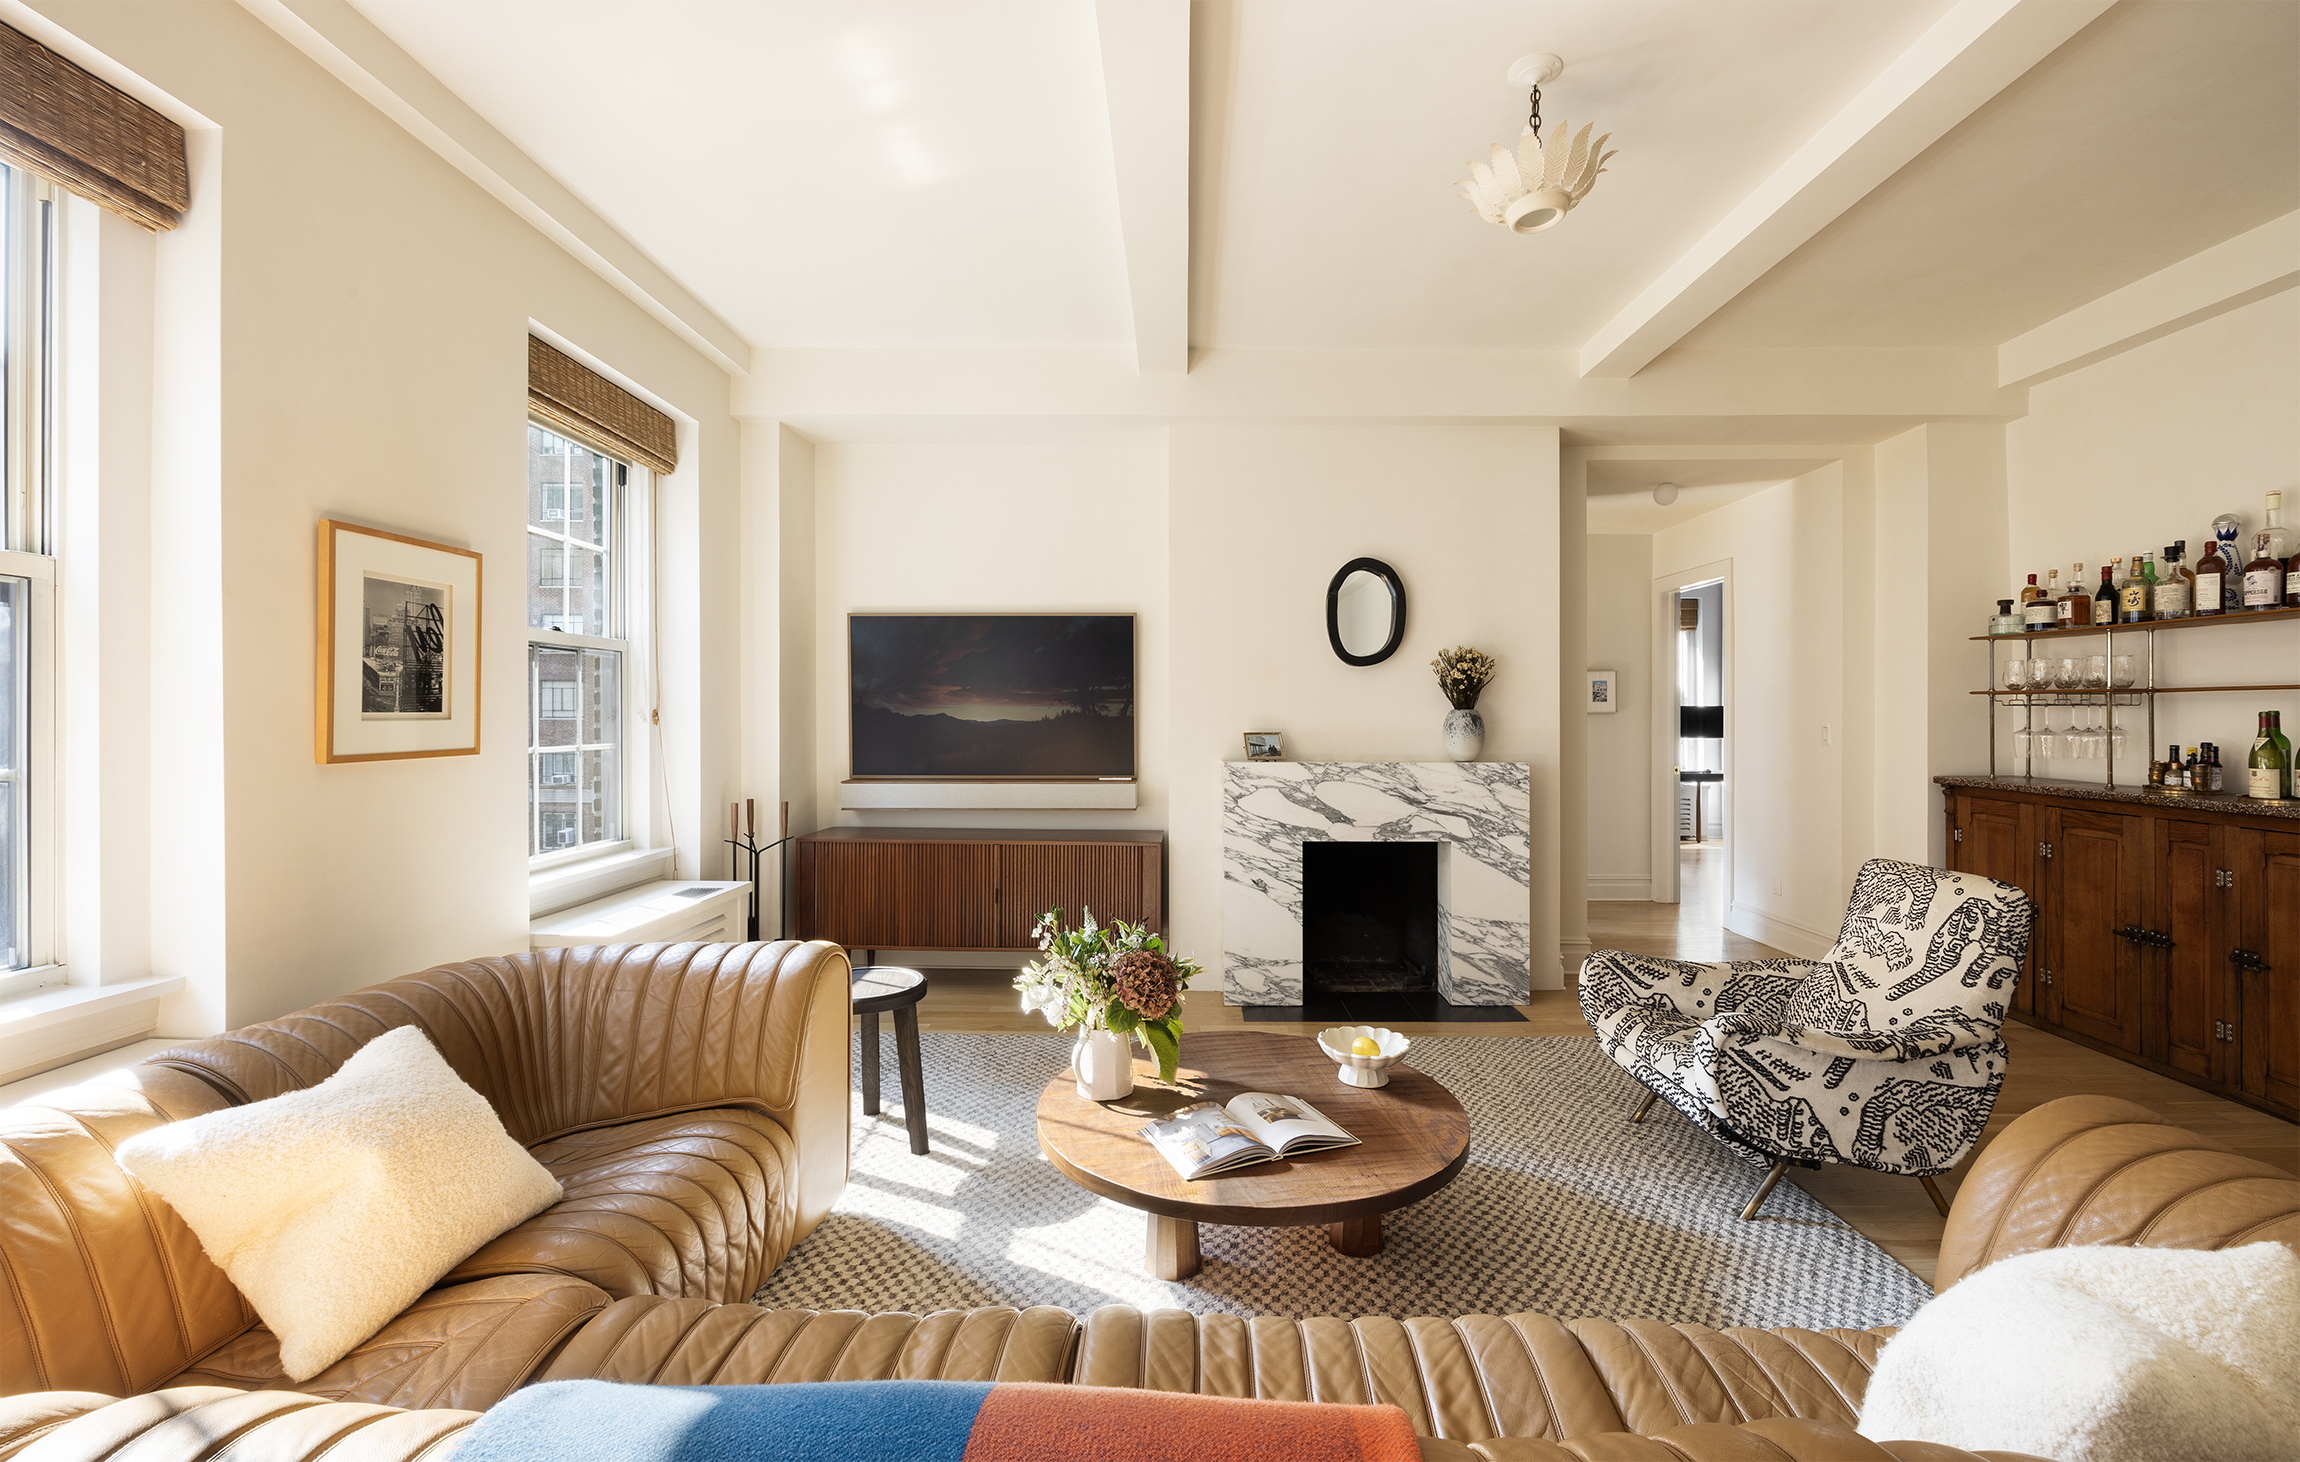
(2245, 959)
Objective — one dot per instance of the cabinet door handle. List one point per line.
(2131, 934)
(2245, 959)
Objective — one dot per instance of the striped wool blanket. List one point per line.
(923, 1421)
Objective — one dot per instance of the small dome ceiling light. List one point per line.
(1665, 493)
(1534, 187)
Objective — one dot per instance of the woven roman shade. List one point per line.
(577, 399)
(87, 135)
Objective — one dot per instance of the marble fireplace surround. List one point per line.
(1478, 813)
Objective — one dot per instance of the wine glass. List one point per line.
(2068, 672)
(2013, 675)
(2095, 733)
(2039, 673)
(2115, 736)
(2024, 748)
(2096, 672)
(2120, 672)
(2048, 736)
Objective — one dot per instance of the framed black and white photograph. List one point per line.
(398, 671)
(1604, 692)
(1265, 746)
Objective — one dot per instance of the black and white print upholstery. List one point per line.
(1887, 1054)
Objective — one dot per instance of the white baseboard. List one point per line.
(1796, 939)
(1620, 890)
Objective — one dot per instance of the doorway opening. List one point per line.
(1692, 750)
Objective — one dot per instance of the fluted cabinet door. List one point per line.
(1110, 879)
(899, 895)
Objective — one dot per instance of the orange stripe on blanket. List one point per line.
(1037, 1422)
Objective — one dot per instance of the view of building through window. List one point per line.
(26, 352)
(575, 658)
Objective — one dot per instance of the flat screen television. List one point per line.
(991, 697)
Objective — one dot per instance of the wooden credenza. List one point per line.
(970, 888)
(2168, 926)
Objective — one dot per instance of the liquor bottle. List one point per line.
(2132, 598)
(2037, 611)
(2004, 621)
(2075, 603)
(2283, 747)
(2264, 576)
(2226, 530)
(2211, 578)
(2104, 597)
(2212, 771)
(2280, 543)
(2267, 768)
(2175, 595)
(2292, 582)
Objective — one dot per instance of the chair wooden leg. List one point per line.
(1643, 1107)
(1933, 1191)
(1764, 1191)
(907, 1064)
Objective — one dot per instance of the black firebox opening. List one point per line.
(1369, 917)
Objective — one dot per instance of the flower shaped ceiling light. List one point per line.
(1534, 187)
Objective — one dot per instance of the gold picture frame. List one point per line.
(398, 646)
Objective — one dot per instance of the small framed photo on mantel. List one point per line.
(1265, 746)
(398, 671)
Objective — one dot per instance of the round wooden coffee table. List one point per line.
(1413, 1137)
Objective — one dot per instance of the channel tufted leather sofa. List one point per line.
(694, 1100)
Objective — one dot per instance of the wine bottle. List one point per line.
(2211, 575)
(2266, 782)
(2175, 586)
(2264, 576)
(2283, 747)
(2104, 597)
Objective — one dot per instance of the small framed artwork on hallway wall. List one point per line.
(1604, 692)
(398, 646)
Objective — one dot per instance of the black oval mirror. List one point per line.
(1365, 612)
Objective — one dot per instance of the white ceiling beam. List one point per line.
(352, 49)
(1969, 55)
(1146, 81)
(2229, 275)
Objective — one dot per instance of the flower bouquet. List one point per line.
(1116, 979)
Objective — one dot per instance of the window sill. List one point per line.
(568, 884)
(58, 1003)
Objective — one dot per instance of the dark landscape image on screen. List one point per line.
(992, 695)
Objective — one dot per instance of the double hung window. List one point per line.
(28, 221)
(578, 653)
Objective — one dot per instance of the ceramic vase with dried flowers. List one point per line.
(1462, 673)
(1115, 984)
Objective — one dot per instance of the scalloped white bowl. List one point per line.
(1363, 1070)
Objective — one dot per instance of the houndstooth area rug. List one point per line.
(1564, 1209)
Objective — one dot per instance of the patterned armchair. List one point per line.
(1885, 1055)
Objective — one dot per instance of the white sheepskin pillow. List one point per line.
(2103, 1354)
(336, 1207)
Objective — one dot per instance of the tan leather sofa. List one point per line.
(694, 1100)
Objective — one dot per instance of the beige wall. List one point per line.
(1620, 778)
(2152, 445)
(1782, 551)
(1262, 517)
(369, 306)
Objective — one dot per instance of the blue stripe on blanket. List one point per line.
(809, 1421)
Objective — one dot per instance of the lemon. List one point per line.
(1365, 1046)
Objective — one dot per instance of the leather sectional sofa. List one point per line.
(693, 1100)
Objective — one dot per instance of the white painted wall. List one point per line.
(340, 332)
(1619, 752)
(1786, 649)
(1055, 526)
(1262, 516)
(2135, 451)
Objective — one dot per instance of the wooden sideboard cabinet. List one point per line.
(2168, 927)
(876, 888)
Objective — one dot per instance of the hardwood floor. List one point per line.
(1893, 1212)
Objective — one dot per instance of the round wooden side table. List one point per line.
(1413, 1137)
(898, 990)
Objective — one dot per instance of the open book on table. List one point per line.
(1253, 1127)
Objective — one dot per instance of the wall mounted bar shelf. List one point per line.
(2144, 693)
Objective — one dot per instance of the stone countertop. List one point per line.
(2288, 810)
